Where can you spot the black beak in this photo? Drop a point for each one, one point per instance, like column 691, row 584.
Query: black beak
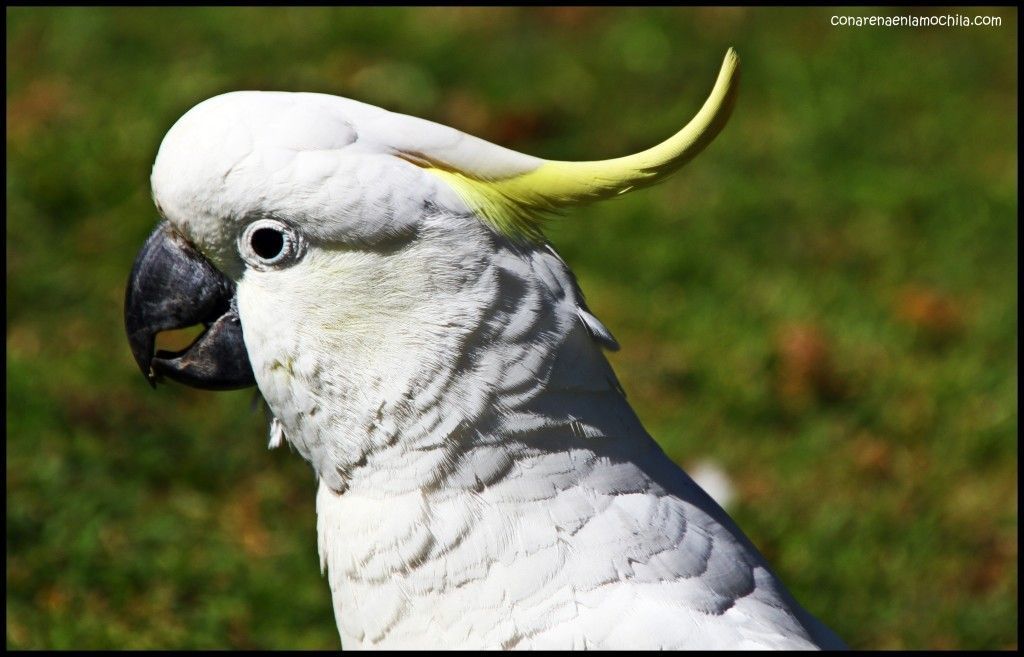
column 173, row 286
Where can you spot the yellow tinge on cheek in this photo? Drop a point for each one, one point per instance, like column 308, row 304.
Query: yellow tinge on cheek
column 303, row 302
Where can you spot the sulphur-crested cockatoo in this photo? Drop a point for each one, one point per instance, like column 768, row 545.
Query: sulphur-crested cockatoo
column 483, row 482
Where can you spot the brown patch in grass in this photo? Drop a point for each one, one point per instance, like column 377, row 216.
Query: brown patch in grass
column 872, row 455
column 804, row 369
column 520, row 127
column 23, row 341
column 991, row 567
column 17, row 633
column 42, row 102
column 467, row 112
column 933, row 314
column 52, row 598
column 244, row 518
column 755, row 487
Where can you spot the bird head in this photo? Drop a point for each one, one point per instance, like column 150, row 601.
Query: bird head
column 308, row 231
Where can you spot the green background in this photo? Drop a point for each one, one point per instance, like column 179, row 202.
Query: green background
column 823, row 303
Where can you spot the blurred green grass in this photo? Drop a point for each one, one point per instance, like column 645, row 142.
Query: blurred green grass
column 824, row 302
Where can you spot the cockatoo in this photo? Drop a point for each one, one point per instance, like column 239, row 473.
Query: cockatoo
column 483, row 482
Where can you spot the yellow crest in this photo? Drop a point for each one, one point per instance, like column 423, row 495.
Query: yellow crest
column 518, row 204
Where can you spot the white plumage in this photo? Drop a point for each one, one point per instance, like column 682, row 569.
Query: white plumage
column 483, row 481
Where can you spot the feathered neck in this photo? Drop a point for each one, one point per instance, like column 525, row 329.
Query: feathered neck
column 500, row 350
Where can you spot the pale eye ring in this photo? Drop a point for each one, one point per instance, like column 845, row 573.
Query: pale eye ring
column 269, row 244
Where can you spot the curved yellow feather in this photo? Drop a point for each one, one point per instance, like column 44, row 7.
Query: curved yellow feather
column 518, row 205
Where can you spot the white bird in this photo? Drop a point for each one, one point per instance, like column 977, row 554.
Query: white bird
column 483, row 482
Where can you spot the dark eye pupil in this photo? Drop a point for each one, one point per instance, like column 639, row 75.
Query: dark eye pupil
column 267, row 243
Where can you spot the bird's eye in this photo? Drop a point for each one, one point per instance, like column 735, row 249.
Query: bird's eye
column 269, row 244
